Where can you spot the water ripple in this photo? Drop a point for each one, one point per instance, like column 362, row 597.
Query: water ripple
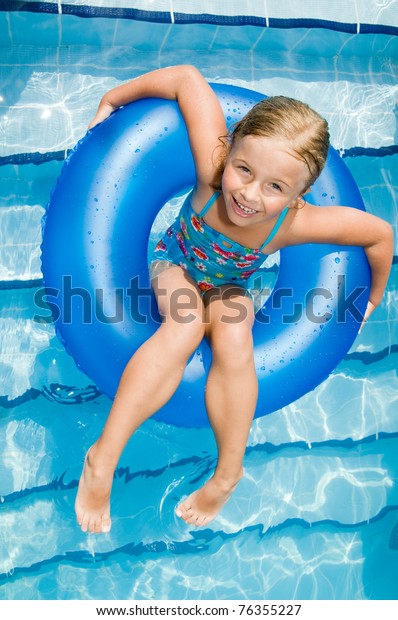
column 201, row 541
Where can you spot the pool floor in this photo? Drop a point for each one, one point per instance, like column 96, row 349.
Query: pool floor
column 316, row 514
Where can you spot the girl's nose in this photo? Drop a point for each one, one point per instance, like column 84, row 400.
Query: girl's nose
column 250, row 192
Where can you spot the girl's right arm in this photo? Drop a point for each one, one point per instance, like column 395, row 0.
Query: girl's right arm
column 198, row 104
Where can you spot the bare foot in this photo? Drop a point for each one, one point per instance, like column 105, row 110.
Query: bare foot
column 92, row 505
column 203, row 505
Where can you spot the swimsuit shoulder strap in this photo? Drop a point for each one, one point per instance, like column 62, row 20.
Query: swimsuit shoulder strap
column 276, row 227
column 208, row 204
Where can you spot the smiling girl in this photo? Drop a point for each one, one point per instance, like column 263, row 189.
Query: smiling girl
column 248, row 202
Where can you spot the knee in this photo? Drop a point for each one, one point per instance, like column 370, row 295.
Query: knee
column 191, row 330
column 183, row 323
column 185, row 334
column 232, row 344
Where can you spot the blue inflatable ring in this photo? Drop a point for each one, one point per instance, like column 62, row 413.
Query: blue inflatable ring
column 94, row 259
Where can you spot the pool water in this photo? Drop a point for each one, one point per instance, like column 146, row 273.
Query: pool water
column 316, row 515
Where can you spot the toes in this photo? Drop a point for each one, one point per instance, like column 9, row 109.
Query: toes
column 184, row 506
column 84, row 523
column 95, row 525
column 184, row 510
column 192, row 520
column 197, row 519
column 191, row 510
column 191, row 517
column 90, row 525
column 202, row 521
column 188, row 514
column 79, row 516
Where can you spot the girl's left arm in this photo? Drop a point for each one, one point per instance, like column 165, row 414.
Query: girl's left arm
column 348, row 226
column 379, row 254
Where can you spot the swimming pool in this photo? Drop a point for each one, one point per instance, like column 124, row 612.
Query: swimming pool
column 316, row 515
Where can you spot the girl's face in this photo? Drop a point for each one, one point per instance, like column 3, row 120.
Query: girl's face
column 261, row 177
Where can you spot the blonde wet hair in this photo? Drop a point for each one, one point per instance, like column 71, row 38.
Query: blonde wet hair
column 287, row 119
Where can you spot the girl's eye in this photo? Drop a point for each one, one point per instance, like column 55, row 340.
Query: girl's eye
column 244, row 169
column 276, row 186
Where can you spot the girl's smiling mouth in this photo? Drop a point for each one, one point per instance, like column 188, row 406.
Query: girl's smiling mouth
column 241, row 209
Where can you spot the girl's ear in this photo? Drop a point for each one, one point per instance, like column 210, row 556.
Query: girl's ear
column 300, row 202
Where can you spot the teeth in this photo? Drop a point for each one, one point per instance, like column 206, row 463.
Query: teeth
column 245, row 209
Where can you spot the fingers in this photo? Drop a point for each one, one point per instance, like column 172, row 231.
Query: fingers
column 103, row 112
column 369, row 309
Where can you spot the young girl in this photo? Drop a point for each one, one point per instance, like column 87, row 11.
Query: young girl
column 248, row 202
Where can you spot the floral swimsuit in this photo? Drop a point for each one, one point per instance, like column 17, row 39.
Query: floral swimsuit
column 210, row 258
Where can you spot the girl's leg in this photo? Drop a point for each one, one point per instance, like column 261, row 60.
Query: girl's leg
column 231, row 397
column 148, row 382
